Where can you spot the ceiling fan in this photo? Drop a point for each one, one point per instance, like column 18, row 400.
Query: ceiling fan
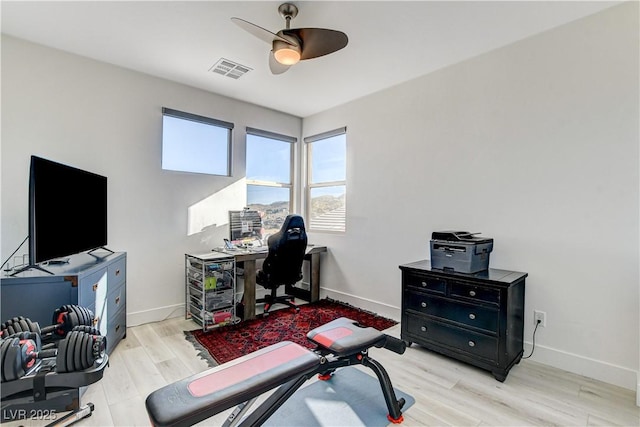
column 291, row 45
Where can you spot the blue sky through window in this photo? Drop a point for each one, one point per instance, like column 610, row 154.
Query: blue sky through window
column 268, row 159
column 191, row 146
column 329, row 159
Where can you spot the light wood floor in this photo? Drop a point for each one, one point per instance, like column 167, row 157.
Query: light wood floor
column 447, row 393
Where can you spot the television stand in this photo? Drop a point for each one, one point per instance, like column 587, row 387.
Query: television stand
column 30, row 267
column 97, row 249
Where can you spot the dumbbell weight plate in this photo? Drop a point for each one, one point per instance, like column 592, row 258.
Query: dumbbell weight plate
column 81, row 344
column 11, row 363
column 10, row 360
column 70, row 316
column 85, row 316
column 33, row 326
column 64, row 360
column 85, row 352
column 61, row 357
column 88, row 316
column 88, row 329
column 73, row 339
column 8, row 326
column 24, row 326
column 19, row 324
column 4, row 349
column 90, row 357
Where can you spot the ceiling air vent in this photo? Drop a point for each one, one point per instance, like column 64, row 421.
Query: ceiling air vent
column 228, row 68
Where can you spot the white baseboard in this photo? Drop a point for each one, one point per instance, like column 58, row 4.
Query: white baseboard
column 155, row 315
column 596, row 369
column 577, row 364
column 382, row 309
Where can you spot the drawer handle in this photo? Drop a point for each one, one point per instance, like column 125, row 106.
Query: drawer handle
column 117, row 328
column 472, row 293
column 118, row 300
column 472, row 316
column 424, row 284
column 423, row 328
column 472, row 344
column 95, row 287
column 423, row 304
column 117, row 272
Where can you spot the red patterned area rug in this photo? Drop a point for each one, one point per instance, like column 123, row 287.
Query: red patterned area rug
column 230, row 342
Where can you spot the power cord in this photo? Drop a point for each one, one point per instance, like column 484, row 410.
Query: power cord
column 534, row 339
column 14, row 252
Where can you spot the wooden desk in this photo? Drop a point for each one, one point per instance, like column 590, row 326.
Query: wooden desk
column 249, row 258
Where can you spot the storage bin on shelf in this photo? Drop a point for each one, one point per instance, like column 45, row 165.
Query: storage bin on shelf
column 210, row 289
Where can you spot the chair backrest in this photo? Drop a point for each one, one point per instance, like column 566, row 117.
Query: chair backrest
column 287, row 247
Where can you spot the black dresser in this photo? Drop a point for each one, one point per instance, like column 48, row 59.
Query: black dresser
column 476, row 318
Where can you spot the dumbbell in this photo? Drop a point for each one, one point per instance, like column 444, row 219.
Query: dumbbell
column 77, row 352
column 14, row 354
column 65, row 319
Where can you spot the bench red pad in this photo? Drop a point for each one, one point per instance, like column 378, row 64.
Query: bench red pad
column 203, row 395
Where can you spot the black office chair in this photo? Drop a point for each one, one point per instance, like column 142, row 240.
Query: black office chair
column 283, row 265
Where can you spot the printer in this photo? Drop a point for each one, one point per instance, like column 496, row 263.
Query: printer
column 460, row 251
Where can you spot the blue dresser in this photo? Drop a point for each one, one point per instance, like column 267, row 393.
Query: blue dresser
column 97, row 282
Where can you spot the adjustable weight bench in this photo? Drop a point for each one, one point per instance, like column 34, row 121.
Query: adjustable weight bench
column 285, row 365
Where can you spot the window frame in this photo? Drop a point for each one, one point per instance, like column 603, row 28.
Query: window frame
column 176, row 114
column 272, row 184
column 309, row 174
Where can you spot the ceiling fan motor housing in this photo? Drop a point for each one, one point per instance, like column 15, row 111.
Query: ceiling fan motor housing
column 287, row 53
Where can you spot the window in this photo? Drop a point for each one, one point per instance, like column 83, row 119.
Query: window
column 326, row 181
column 269, row 176
column 192, row 143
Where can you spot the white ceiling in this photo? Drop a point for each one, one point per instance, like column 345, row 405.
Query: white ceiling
column 389, row 41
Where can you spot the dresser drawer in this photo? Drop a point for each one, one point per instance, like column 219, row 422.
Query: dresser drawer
column 430, row 284
column 475, row 293
column 464, row 340
column 117, row 272
column 481, row 317
column 91, row 286
column 116, row 330
column 116, row 299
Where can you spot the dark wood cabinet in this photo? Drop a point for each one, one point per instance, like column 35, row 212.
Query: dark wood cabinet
column 476, row 318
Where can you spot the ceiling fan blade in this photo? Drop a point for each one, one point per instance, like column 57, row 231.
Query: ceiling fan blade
column 258, row 31
column 275, row 66
column 318, row 41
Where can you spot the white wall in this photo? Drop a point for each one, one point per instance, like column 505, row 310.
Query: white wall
column 535, row 145
column 109, row 120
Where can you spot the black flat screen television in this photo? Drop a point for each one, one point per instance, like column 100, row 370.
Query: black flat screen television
column 67, row 210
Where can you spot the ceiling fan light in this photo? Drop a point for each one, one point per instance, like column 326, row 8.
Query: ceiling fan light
column 285, row 53
column 287, row 56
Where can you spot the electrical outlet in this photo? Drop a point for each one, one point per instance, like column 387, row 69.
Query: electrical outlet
column 540, row 316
